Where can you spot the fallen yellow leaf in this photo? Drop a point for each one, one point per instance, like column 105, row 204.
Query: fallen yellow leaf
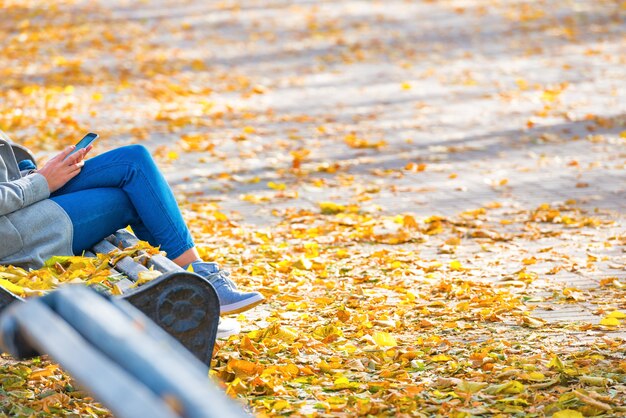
column 384, row 339
column 617, row 314
column 610, row 321
column 567, row 413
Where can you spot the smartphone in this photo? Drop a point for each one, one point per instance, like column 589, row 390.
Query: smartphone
column 84, row 143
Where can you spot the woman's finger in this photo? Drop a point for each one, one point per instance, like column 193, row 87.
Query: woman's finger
column 71, row 174
column 75, row 158
column 75, row 167
column 65, row 152
column 83, row 152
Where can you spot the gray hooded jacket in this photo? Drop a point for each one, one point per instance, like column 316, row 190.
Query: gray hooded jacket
column 32, row 227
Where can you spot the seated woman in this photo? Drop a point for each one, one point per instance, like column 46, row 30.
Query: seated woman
column 68, row 205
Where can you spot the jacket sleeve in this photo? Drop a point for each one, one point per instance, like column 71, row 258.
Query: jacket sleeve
column 17, row 194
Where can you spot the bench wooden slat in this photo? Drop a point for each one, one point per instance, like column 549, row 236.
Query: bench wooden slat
column 124, row 284
column 45, row 331
column 125, row 341
column 126, row 265
column 158, row 262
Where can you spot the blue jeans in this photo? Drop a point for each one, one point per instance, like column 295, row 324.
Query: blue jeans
column 120, row 188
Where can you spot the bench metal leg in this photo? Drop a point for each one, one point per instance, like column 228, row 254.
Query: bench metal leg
column 183, row 304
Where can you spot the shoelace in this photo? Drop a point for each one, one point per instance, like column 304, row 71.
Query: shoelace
column 222, row 274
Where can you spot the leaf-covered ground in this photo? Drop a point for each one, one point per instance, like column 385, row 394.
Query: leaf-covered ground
column 429, row 193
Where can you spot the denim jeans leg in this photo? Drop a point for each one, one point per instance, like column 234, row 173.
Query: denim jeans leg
column 132, row 169
column 95, row 214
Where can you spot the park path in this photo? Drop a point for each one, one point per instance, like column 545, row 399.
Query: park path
column 428, row 108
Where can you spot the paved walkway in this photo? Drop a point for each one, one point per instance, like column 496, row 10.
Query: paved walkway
column 437, row 108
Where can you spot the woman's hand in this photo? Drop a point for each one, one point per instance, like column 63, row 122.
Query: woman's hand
column 59, row 171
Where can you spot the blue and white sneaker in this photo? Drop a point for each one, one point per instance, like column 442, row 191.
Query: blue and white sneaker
column 232, row 300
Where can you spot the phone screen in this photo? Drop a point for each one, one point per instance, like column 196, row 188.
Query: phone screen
column 84, row 143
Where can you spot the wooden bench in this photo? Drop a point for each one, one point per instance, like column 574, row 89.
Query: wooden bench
column 116, row 354
column 182, row 303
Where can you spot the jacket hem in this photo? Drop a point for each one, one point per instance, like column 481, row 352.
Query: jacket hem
column 70, row 226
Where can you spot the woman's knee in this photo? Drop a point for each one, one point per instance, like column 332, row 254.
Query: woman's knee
column 136, row 152
column 136, row 155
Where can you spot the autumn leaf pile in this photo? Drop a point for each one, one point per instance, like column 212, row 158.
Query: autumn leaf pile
column 430, row 194
column 38, row 388
column 96, row 272
column 358, row 327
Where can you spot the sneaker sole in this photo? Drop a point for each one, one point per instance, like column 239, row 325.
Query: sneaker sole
column 242, row 306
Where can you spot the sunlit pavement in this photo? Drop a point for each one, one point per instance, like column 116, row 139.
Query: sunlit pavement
column 436, row 108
